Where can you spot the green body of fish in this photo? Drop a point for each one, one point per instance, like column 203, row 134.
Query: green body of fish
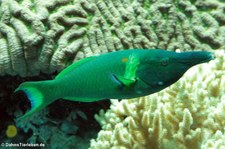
column 116, row 75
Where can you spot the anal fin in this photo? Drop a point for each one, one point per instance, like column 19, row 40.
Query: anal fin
column 81, row 99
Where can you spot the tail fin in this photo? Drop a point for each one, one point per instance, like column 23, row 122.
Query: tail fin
column 39, row 94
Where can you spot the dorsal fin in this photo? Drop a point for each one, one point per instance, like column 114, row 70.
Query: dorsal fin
column 74, row 66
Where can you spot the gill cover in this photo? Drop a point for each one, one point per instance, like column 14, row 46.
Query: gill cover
column 164, row 68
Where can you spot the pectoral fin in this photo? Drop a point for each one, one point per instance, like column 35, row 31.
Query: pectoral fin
column 124, row 81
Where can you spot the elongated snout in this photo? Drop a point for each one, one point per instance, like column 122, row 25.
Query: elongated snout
column 195, row 57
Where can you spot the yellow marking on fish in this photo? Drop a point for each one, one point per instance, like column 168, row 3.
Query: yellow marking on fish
column 124, row 60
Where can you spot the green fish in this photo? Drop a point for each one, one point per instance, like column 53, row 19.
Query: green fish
column 116, row 75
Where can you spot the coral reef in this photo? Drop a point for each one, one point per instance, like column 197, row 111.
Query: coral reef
column 48, row 35
column 188, row 114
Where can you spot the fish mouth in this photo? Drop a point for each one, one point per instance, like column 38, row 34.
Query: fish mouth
column 210, row 57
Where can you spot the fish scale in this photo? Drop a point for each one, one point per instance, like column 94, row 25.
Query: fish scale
column 122, row 74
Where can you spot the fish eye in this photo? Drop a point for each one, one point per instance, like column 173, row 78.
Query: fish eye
column 165, row 62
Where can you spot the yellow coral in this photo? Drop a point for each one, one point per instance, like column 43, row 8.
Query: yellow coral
column 189, row 114
column 11, row 131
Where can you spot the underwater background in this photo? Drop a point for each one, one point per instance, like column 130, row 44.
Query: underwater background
column 39, row 38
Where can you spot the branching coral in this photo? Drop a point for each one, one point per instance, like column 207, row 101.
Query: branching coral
column 189, row 114
column 40, row 35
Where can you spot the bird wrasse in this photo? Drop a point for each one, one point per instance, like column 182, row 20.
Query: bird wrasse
column 122, row 74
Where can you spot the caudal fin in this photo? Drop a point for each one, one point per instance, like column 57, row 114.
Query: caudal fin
column 39, row 94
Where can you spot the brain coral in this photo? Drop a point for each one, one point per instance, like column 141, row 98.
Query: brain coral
column 47, row 35
column 188, row 114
